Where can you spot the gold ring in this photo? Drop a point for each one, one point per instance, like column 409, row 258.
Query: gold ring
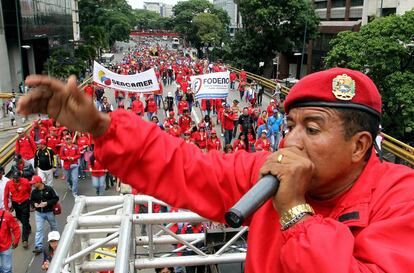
column 280, row 158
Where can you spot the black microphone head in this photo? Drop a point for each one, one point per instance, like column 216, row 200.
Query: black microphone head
column 234, row 218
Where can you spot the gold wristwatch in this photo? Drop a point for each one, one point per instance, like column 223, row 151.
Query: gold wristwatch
column 294, row 215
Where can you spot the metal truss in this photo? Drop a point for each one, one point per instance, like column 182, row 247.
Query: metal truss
column 97, row 223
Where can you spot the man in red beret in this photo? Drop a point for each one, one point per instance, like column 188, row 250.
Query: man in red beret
column 338, row 207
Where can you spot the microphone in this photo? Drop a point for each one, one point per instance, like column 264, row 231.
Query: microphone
column 252, row 200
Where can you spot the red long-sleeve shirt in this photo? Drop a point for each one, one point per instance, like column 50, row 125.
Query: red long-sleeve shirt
column 367, row 229
column 69, row 155
column 20, row 192
column 137, row 107
column 10, row 231
column 26, row 146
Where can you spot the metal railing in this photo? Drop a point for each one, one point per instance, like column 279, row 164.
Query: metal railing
column 99, row 223
column 7, row 150
column 398, row 148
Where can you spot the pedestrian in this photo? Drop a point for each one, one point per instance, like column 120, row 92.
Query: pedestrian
column 169, row 102
column 70, row 155
column 12, row 117
column 338, row 207
column 42, row 198
column 3, row 182
column 98, row 174
column 44, row 162
column 105, row 106
column 228, row 123
column 83, row 142
column 25, row 146
column 275, row 124
column 18, row 190
column 9, row 240
column 23, row 167
column 53, row 241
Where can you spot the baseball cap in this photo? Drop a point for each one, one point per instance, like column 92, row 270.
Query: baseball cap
column 53, row 236
column 20, row 130
column 337, row 88
column 36, row 179
column 264, row 131
column 213, row 131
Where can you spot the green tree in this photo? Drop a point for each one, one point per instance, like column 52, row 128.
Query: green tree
column 188, row 19
column 270, row 27
column 384, row 50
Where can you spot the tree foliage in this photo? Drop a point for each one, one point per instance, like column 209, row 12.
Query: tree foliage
column 270, row 27
column 145, row 19
column 192, row 19
column 383, row 50
column 114, row 16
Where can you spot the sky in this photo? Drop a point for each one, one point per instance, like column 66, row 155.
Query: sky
column 139, row 4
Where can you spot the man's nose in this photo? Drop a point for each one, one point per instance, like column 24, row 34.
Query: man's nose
column 295, row 138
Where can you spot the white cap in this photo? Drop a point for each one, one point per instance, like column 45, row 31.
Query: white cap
column 53, row 236
column 169, row 94
column 20, row 130
column 272, row 100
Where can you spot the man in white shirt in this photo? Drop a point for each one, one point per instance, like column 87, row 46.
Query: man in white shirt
column 3, row 181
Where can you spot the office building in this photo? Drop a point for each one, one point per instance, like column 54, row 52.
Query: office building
column 29, row 31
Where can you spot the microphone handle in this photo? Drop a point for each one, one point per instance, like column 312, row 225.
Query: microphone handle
column 251, row 201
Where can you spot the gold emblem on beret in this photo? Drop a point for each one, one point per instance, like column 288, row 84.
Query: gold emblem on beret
column 343, row 87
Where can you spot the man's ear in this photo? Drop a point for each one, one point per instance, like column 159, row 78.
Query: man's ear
column 361, row 143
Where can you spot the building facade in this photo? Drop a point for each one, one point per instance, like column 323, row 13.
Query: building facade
column 29, row 31
column 153, row 6
column 232, row 11
column 378, row 8
column 166, row 10
column 336, row 16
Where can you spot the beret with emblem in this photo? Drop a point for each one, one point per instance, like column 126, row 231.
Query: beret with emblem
column 337, row 88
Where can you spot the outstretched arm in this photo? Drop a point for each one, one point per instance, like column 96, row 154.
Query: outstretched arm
column 65, row 103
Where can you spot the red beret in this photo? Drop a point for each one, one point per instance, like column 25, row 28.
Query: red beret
column 338, row 88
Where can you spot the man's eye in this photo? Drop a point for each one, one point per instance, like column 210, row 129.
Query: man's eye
column 312, row 130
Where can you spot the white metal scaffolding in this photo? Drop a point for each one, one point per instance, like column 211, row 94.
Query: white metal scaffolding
column 98, row 223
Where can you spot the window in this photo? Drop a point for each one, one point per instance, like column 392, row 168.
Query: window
column 388, row 11
column 338, row 3
column 356, row 3
column 321, row 5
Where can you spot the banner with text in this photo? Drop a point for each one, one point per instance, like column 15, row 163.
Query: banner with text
column 211, row 86
column 140, row 83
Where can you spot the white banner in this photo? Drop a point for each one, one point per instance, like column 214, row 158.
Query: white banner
column 211, row 86
column 140, row 83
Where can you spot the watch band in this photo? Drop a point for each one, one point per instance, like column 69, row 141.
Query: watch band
column 294, row 215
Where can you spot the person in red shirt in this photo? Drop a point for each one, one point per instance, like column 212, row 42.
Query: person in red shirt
column 18, row 190
column 83, row 142
column 98, row 174
column 170, row 119
column 243, row 75
column 151, row 107
column 229, row 117
column 233, row 77
column 182, row 104
column 38, row 131
column 26, row 146
column 9, row 239
column 338, row 207
column 89, row 90
column 185, row 120
column 262, row 143
column 175, row 130
column 240, row 143
column 138, row 107
column 272, row 105
column 213, row 143
column 70, row 155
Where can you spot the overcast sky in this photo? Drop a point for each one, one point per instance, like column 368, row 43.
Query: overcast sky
column 139, row 4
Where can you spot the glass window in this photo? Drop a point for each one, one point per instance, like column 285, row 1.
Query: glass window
column 356, row 3
column 321, row 5
column 388, row 11
column 338, row 3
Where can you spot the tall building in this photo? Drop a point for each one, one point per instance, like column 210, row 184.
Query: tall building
column 166, row 10
column 336, row 16
column 378, row 8
column 153, row 6
column 233, row 12
column 29, row 31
